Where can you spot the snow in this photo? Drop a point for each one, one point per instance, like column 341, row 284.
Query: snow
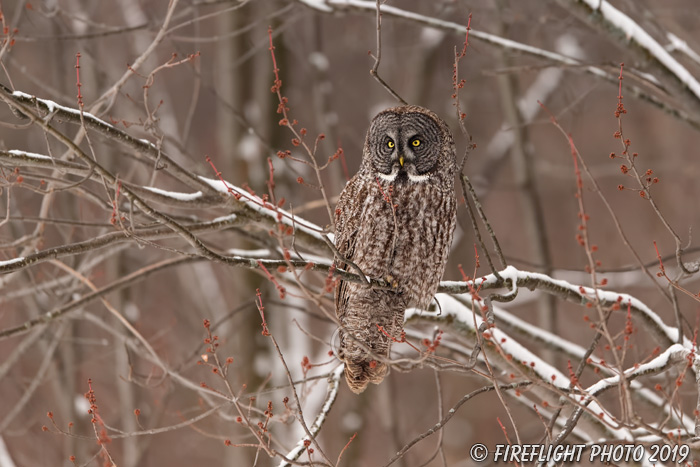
column 318, row 5
column 558, row 343
column 259, row 253
column 264, row 253
column 461, row 28
column 635, row 33
column 175, row 195
column 488, row 280
column 617, row 280
column 656, row 364
column 540, row 334
column 31, row 155
column 52, row 106
column 331, row 395
column 148, row 143
column 270, row 210
column 8, row 262
column 669, row 331
column 513, row 274
column 612, row 15
column 676, row 43
column 333, row 391
column 452, row 307
column 463, row 314
column 227, row 218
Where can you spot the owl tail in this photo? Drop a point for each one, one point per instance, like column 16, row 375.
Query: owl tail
column 361, row 367
column 359, row 373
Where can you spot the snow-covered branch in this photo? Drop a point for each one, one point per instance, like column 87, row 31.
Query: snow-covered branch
column 315, row 428
column 632, row 33
column 573, row 293
column 257, row 210
column 457, row 311
column 618, row 20
column 160, row 220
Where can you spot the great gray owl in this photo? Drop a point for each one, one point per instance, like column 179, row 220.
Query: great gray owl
column 394, row 220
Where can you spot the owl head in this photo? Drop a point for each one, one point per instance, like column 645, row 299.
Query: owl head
column 409, row 144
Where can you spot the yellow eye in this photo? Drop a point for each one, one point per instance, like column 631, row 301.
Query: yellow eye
column 415, row 143
column 391, row 144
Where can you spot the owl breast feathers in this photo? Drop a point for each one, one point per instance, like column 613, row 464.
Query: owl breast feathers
column 394, row 220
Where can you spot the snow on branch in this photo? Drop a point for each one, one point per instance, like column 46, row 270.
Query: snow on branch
column 12, row 261
column 510, row 277
column 328, row 6
column 29, row 155
column 609, row 13
column 557, row 59
column 634, row 33
column 19, row 158
column 52, row 107
column 315, row 428
column 453, row 309
column 318, row 5
column 175, row 195
column 258, row 205
column 575, row 351
column 674, row 354
column 27, row 104
column 512, row 350
column 574, row 293
column 676, row 43
column 258, row 209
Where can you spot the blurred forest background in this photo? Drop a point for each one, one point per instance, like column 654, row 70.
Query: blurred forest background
column 213, row 99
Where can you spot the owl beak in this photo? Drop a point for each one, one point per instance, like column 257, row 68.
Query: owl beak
column 401, row 160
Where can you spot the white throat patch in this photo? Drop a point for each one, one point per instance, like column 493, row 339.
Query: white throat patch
column 414, row 178
column 418, row 178
column 389, row 178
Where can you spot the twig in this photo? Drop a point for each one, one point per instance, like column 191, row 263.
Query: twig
column 467, row 187
column 439, row 448
column 330, row 398
column 28, row 392
column 378, row 57
column 298, row 135
column 106, row 100
column 331, row 395
column 645, row 182
column 556, row 59
column 450, row 413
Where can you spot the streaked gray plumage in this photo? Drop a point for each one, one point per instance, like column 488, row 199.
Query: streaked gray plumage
column 394, row 220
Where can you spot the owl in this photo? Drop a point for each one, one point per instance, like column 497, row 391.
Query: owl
column 394, row 220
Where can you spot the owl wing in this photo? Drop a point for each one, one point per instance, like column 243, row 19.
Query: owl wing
column 348, row 218
column 357, row 306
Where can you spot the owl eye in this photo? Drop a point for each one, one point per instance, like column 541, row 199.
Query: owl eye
column 390, row 144
column 415, row 143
